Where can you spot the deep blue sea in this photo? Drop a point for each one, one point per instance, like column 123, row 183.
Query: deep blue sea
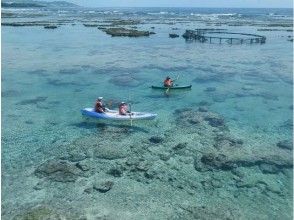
column 222, row 150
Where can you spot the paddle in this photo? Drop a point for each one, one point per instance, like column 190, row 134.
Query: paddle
column 173, row 81
column 131, row 114
column 130, row 104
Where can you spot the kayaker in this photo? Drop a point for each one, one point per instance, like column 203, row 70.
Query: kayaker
column 168, row 82
column 99, row 106
column 123, row 108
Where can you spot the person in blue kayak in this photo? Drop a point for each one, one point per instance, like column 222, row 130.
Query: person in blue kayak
column 99, row 106
column 168, row 82
column 123, row 109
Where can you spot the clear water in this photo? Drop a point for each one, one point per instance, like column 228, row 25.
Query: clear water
column 49, row 75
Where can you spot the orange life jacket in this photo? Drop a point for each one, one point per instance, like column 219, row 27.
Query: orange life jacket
column 167, row 82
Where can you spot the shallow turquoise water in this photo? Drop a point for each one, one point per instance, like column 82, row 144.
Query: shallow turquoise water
column 49, row 75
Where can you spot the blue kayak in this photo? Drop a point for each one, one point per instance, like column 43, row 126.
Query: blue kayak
column 114, row 115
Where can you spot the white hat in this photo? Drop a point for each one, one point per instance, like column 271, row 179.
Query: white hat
column 100, row 98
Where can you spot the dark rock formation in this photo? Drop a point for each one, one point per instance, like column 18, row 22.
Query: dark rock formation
column 59, row 171
column 125, row 22
column 123, row 32
column 269, row 169
column 156, row 139
column 174, row 35
column 50, row 26
column 268, row 164
column 31, row 23
column 215, row 121
column 180, row 146
column 213, row 162
column 286, row 144
column 115, row 171
column 21, row 5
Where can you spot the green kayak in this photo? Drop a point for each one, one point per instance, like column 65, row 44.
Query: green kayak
column 173, row 87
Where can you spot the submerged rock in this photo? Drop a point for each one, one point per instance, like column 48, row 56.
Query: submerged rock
column 269, row 169
column 39, row 213
column 208, row 213
column 110, row 152
column 216, row 161
column 214, row 120
column 103, row 186
column 75, row 156
column 286, row 144
column 59, row 171
column 203, row 109
column 156, row 139
column 115, row 171
column 180, row 146
column 222, row 141
column 83, row 165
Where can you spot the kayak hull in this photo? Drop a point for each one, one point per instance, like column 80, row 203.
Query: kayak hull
column 114, row 115
column 173, row 87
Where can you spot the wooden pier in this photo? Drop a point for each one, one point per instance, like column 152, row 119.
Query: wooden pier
column 206, row 35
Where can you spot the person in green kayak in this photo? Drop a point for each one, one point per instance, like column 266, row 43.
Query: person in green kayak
column 168, row 82
column 99, row 106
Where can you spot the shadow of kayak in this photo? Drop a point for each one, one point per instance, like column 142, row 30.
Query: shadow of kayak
column 109, row 127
